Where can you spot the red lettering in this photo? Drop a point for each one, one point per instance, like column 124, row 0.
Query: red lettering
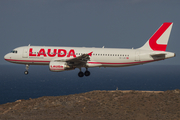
column 31, row 53
column 71, row 53
column 56, row 66
column 42, row 52
column 54, row 53
column 61, row 53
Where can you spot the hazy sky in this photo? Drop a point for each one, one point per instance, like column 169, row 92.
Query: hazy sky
column 87, row 23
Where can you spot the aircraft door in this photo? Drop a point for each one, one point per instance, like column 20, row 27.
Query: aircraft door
column 25, row 53
column 137, row 56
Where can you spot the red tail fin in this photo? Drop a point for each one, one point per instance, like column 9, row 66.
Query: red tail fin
column 158, row 42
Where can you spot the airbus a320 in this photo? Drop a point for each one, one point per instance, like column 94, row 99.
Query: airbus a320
column 68, row 58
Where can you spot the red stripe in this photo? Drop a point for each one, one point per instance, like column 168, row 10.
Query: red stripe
column 13, row 60
column 153, row 40
column 121, row 63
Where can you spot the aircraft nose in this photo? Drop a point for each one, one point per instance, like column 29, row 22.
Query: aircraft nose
column 6, row 57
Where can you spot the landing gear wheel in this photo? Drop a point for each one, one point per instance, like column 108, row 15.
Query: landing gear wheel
column 26, row 72
column 86, row 73
column 80, row 74
column 27, row 68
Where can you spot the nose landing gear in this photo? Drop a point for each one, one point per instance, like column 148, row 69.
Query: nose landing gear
column 26, row 72
column 27, row 68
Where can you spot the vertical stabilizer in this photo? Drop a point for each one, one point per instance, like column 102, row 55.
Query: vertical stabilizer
column 159, row 40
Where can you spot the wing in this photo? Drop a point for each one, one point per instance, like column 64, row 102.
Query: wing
column 80, row 60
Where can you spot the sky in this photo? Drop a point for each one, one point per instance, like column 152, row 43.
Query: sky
column 87, row 23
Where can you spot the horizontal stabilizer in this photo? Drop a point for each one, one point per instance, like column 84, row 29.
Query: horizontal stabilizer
column 158, row 55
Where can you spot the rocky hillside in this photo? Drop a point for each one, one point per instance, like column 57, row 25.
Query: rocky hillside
column 97, row 105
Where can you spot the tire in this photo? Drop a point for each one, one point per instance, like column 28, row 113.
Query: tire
column 80, row 74
column 87, row 73
column 26, row 72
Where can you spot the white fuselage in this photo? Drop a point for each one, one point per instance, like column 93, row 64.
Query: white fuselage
column 101, row 57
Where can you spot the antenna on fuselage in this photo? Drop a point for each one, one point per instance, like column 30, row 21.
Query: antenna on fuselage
column 29, row 45
column 103, row 47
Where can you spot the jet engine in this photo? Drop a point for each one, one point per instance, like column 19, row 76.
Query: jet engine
column 59, row 66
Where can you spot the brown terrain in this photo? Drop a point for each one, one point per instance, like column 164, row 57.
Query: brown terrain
column 97, row 105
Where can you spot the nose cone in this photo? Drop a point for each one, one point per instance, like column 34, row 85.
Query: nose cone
column 6, row 57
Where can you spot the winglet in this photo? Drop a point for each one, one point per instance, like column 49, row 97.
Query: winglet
column 90, row 54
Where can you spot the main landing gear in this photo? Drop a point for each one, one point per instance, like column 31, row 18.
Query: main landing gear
column 27, row 68
column 86, row 73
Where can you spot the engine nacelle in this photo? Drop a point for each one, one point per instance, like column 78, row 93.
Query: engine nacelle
column 58, row 66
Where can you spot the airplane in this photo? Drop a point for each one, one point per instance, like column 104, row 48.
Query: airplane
column 68, row 58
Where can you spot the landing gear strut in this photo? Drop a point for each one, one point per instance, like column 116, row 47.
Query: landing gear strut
column 86, row 73
column 27, row 68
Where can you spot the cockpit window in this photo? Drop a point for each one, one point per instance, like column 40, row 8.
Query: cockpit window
column 14, row 51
